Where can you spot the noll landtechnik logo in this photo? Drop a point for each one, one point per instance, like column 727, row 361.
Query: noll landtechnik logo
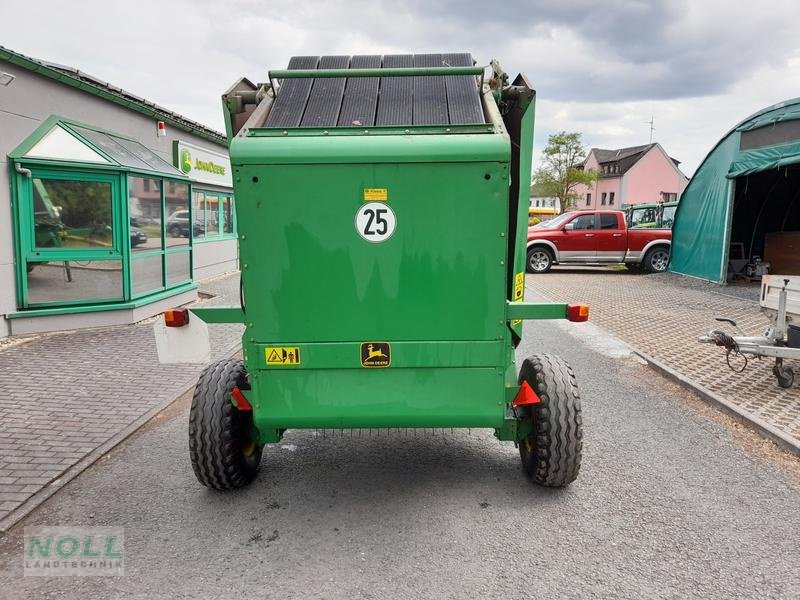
column 51, row 551
column 186, row 160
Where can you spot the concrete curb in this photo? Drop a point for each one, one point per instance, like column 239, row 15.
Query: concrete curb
column 783, row 440
column 24, row 509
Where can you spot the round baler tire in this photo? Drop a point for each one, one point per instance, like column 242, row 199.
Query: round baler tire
column 545, row 253
column 223, row 455
column 551, row 453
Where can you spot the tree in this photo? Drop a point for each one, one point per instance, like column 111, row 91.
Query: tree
column 561, row 171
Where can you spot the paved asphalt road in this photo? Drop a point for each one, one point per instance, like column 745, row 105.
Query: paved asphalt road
column 672, row 502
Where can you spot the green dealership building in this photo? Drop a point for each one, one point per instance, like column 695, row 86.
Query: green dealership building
column 111, row 207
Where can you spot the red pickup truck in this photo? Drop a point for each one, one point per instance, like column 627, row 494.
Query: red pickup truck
column 596, row 237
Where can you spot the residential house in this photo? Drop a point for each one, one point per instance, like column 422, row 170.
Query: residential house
column 542, row 205
column 636, row 175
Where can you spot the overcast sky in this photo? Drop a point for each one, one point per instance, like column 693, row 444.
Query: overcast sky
column 600, row 68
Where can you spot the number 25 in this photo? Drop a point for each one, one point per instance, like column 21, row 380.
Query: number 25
column 376, row 217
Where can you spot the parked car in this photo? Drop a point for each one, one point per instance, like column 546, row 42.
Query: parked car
column 178, row 224
column 596, row 237
column 138, row 237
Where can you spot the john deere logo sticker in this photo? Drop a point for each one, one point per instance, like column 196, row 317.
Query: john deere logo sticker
column 376, row 354
column 282, row 356
column 186, row 160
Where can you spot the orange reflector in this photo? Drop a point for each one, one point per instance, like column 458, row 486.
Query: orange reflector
column 525, row 396
column 577, row 312
column 176, row 317
column 239, row 401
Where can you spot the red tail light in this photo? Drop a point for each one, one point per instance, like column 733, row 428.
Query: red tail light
column 577, row 312
column 176, row 317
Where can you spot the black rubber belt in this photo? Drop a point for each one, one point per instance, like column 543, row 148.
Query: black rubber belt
column 360, row 95
column 463, row 102
column 292, row 97
column 395, row 103
column 368, row 101
column 430, row 95
column 325, row 100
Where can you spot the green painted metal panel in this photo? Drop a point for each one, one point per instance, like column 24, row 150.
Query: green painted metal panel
column 310, row 277
column 367, row 150
column 429, row 397
column 219, row 314
column 535, row 310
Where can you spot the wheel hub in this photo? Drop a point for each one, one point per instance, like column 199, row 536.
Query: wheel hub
column 539, row 261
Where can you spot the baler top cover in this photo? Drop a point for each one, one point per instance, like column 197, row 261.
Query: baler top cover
column 377, row 101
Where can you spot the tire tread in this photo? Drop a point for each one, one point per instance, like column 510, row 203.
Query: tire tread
column 215, row 435
column 557, row 434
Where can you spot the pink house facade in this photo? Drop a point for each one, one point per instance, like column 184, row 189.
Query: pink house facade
column 636, row 175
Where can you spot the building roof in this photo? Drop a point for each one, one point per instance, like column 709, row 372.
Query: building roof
column 620, row 161
column 538, row 191
column 92, row 85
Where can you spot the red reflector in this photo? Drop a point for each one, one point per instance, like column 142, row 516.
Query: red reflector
column 577, row 312
column 239, row 400
column 525, row 396
column 176, row 317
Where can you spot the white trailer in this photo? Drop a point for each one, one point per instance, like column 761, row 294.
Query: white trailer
column 780, row 300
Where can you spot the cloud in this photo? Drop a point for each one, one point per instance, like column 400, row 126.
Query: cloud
column 602, row 68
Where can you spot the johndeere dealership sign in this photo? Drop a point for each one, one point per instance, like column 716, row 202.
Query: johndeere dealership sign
column 201, row 165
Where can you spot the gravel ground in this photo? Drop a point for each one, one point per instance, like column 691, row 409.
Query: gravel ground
column 673, row 501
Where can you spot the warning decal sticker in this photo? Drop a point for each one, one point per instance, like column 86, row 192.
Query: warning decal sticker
column 376, row 354
column 519, row 287
column 281, row 356
column 519, row 293
column 376, row 194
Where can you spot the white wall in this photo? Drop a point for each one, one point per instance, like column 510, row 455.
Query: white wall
column 32, row 98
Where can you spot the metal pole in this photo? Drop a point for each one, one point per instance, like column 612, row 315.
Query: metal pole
column 387, row 72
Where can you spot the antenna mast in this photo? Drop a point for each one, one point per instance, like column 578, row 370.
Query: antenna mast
column 652, row 129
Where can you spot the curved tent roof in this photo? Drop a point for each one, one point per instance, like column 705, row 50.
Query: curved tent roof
column 766, row 140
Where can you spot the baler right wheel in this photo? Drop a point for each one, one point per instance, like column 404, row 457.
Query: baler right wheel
column 223, row 452
column 551, row 453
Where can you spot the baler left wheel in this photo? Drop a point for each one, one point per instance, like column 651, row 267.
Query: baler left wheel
column 551, row 453
column 222, row 447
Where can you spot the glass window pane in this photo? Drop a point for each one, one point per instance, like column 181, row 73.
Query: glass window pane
column 72, row 214
column 583, row 222
column 178, row 268
column 108, row 144
column 668, row 219
column 66, row 281
column 177, row 223
column 146, row 274
column 144, row 209
column 212, row 215
column 198, row 208
column 227, row 215
column 608, row 221
column 60, row 145
column 146, row 155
